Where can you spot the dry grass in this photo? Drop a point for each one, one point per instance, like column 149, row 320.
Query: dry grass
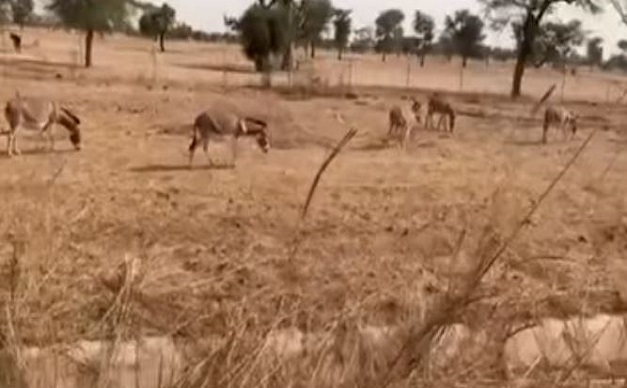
column 121, row 240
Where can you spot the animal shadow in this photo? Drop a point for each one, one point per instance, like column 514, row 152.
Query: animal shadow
column 38, row 151
column 180, row 167
column 524, row 143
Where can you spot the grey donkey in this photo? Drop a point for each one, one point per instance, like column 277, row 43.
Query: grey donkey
column 41, row 114
column 219, row 122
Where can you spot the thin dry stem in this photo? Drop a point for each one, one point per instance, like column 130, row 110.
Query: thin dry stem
column 336, row 150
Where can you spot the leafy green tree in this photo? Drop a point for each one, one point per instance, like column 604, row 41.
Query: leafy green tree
column 445, row 45
column 594, row 51
column 157, row 22
column 342, row 25
column 558, row 41
column 263, row 32
column 315, row 16
column 90, row 16
column 5, row 11
column 292, row 19
column 364, row 39
column 388, row 26
column 553, row 42
column 529, row 13
column 22, row 10
column 424, row 26
column 466, row 32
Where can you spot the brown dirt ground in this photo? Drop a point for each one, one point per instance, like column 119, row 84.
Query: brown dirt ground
column 215, row 243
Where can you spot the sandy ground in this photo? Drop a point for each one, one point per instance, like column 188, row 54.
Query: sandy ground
column 214, row 244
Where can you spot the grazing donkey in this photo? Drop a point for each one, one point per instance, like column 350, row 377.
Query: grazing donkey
column 399, row 128
column 559, row 116
column 416, row 107
column 41, row 114
column 438, row 105
column 218, row 122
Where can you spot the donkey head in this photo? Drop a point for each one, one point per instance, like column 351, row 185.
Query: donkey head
column 71, row 122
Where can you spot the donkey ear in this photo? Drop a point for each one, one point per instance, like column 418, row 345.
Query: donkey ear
column 72, row 115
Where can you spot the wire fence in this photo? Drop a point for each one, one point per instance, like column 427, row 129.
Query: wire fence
column 224, row 65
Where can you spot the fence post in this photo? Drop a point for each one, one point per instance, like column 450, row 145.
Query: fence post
column 461, row 77
column 224, row 72
column 153, row 54
column 408, row 75
column 563, row 84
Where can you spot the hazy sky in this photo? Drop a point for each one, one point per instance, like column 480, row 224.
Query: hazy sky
column 208, row 15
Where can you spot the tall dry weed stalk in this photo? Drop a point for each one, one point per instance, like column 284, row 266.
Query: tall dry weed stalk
column 421, row 336
column 12, row 366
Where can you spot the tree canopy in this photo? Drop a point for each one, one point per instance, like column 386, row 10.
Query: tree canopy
column 594, row 51
column 157, row 21
column 529, row 14
column 263, row 33
column 388, row 30
column 21, row 10
column 424, row 27
column 90, row 16
column 466, row 33
column 342, row 27
column 315, row 16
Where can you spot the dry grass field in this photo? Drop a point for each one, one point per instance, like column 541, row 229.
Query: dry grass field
column 216, row 246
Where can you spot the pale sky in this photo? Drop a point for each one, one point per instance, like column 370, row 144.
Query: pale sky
column 208, row 15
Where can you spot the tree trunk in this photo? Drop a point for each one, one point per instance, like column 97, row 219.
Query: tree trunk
column 313, row 50
column 422, row 60
column 259, row 64
column 339, row 53
column 286, row 63
column 162, row 42
column 526, row 46
column 464, row 61
column 89, row 42
column 383, row 57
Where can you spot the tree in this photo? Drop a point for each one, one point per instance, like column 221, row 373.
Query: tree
column 156, row 22
column 292, row 22
column 424, row 26
column 622, row 44
column 557, row 41
column 364, row 39
column 22, row 11
column 466, row 32
column 342, row 26
column 445, row 45
column 388, row 26
column 529, row 13
column 315, row 15
column 263, row 32
column 553, row 43
column 90, row 16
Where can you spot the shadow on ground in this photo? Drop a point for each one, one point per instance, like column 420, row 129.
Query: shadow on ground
column 218, row 67
column 524, row 142
column 37, row 151
column 179, row 167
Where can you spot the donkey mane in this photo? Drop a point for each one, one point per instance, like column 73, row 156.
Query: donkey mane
column 71, row 115
column 259, row 122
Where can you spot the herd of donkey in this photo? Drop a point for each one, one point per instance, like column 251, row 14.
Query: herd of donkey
column 41, row 114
